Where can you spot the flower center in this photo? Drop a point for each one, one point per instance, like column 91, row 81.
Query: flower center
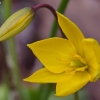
column 77, row 64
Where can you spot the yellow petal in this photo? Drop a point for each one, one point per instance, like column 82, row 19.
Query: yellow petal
column 44, row 76
column 92, row 56
column 71, row 83
column 95, row 73
column 54, row 53
column 71, row 31
column 16, row 23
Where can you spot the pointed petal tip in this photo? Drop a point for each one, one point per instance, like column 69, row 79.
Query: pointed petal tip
column 29, row 80
column 71, row 31
column 56, row 95
column 28, row 45
column 60, row 94
column 26, row 80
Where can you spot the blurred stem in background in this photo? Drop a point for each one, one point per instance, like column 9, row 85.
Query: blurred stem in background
column 5, row 16
column 7, row 8
column 7, row 74
column 7, row 12
column 45, row 91
column 76, row 96
column 12, row 50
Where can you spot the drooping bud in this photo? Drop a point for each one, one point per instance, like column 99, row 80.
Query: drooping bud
column 16, row 23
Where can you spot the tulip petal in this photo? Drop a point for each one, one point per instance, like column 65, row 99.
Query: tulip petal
column 44, row 76
column 54, row 53
column 92, row 56
column 71, row 31
column 70, row 83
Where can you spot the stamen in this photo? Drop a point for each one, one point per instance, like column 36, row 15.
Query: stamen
column 77, row 64
column 76, row 56
column 63, row 60
column 73, row 70
column 82, row 69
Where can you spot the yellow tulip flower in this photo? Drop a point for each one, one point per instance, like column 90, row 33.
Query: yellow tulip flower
column 16, row 23
column 70, row 63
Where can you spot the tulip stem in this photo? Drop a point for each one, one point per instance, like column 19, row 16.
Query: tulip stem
column 12, row 51
column 76, row 96
column 7, row 9
column 35, row 8
column 61, row 9
column 45, row 91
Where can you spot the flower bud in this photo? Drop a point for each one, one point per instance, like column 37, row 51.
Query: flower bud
column 16, row 23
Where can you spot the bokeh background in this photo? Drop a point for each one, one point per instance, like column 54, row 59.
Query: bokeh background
column 86, row 15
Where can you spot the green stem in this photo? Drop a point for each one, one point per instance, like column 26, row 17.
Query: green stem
column 76, row 96
column 48, row 88
column 45, row 91
column 15, row 69
column 7, row 8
